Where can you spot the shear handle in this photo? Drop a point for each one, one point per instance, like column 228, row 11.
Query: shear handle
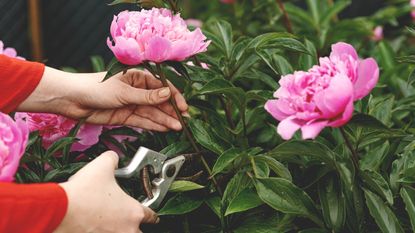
column 142, row 158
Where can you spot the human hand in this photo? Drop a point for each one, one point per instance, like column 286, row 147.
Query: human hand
column 97, row 204
column 134, row 99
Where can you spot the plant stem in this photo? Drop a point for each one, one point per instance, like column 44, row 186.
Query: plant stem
column 186, row 130
column 227, row 112
column 355, row 157
column 287, row 21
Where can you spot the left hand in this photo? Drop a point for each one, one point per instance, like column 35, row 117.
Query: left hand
column 135, row 99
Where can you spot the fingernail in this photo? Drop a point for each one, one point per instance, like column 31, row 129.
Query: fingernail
column 157, row 220
column 186, row 114
column 164, row 92
column 177, row 125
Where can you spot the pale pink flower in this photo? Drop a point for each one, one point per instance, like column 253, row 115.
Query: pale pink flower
column 324, row 95
column 377, row 33
column 9, row 52
column 154, row 35
column 194, row 23
column 413, row 10
column 53, row 127
column 13, row 140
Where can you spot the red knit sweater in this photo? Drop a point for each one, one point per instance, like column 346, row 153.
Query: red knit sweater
column 36, row 208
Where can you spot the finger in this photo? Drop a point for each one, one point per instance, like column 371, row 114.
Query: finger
column 168, row 109
column 181, row 102
column 156, row 115
column 150, row 216
column 139, row 96
column 144, row 123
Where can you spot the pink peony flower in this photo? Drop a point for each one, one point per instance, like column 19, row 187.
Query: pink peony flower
column 153, row 35
column 228, row 1
column 53, row 127
column 412, row 3
column 377, row 33
column 13, row 140
column 324, row 95
column 10, row 52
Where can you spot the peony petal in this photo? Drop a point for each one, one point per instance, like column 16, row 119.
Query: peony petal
column 158, row 49
column 345, row 117
column 311, row 130
column 126, row 50
column 288, row 127
column 279, row 109
column 341, row 49
column 333, row 100
column 368, row 76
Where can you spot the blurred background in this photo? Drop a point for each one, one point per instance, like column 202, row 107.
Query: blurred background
column 65, row 33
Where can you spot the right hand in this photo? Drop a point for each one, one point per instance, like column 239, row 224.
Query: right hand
column 97, row 204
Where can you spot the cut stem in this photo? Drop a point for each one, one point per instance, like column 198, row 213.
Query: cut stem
column 186, row 130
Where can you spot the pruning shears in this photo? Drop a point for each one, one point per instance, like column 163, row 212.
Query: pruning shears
column 164, row 169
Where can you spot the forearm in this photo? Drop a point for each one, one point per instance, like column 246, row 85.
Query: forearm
column 56, row 90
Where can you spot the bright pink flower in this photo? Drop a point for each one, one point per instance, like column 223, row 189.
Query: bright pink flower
column 377, row 33
column 153, row 35
column 10, row 52
column 53, row 127
column 13, row 140
column 324, row 95
column 228, row 1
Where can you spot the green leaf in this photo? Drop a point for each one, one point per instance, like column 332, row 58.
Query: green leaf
column 206, row 137
column 284, row 196
column 98, row 64
column 333, row 203
column 179, row 68
column 308, row 60
column 226, row 159
column 383, row 215
column 175, row 148
column 59, row 145
column 180, row 204
column 114, row 68
column 246, row 200
column 224, row 87
column 222, row 37
column 215, row 205
column 375, row 182
column 63, row 173
column 410, row 59
column 236, row 185
column 316, row 150
column 184, row 186
column 275, row 166
column 115, row 2
column 262, row 223
column 386, row 55
column 337, row 7
column 408, row 196
column 276, row 40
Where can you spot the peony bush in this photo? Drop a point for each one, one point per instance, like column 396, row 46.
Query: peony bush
column 301, row 116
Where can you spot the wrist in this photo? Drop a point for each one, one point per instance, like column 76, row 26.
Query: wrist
column 51, row 95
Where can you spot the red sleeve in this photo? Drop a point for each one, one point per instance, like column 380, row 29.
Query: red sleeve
column 18, row 79
column 35, row 208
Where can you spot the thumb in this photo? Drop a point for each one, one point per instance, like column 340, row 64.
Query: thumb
column 102, row 166
column 147, row 97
